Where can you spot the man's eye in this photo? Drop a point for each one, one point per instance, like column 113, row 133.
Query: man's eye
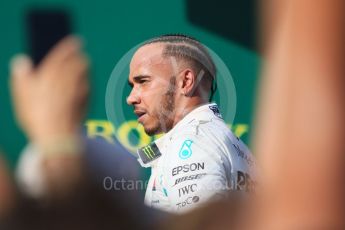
column 143, row 81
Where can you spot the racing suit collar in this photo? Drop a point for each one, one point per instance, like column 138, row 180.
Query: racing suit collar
column 148, row 155
column 201, row 112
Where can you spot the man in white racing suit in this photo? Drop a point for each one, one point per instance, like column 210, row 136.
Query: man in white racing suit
column 198, row 158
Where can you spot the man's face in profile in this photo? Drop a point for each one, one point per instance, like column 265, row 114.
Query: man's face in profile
column 153, row 83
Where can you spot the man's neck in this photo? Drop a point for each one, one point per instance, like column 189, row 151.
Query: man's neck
column 183, row 110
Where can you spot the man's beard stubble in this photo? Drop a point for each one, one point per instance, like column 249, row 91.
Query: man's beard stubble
column 165, row 113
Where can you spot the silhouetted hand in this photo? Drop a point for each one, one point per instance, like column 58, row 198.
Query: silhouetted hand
column 50, row 99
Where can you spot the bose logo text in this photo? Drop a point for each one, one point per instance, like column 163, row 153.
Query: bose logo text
column 191, row 177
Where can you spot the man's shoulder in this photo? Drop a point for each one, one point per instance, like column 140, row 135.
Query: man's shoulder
column 213, row 137
column 201, row 129
column 202, row 135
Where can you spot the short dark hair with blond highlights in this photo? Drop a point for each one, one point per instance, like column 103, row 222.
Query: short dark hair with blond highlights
column 190, row 50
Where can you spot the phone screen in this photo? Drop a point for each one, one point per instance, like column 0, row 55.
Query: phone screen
column 46, row 28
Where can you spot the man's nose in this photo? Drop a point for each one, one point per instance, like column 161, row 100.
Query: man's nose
column 133, row 98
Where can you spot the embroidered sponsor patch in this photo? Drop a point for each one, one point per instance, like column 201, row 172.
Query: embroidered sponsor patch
column 186, row 150
column 149, row 153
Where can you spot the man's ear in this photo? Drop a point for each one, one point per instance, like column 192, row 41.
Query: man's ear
column 188, row 82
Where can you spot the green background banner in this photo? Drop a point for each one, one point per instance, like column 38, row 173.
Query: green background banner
column 111, row 28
